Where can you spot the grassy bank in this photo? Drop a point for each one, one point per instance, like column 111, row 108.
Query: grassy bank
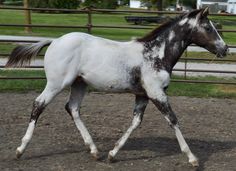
column 175, row 89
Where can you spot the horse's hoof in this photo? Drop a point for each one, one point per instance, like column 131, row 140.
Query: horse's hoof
column 110, row 158
column 194, row 163
column 95, row 155
column 18, row 154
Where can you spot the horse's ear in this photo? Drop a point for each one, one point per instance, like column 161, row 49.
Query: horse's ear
column 205, row 12
column 194, row 13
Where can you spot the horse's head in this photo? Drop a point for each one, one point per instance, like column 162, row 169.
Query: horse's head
column 204, row 33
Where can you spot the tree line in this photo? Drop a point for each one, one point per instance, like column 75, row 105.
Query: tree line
column 109, row 4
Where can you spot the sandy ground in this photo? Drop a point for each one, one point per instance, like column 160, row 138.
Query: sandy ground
column 207, row 124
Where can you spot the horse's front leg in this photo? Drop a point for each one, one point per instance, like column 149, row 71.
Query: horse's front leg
column 160, row 100
column 140, row 106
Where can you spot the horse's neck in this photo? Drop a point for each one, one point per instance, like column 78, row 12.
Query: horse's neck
column 167, row 48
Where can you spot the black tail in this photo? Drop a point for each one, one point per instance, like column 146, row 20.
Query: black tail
column 23, row 54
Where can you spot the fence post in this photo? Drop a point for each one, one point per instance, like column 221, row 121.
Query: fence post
column 185, row 64
column 89, row 24
column 27, row 16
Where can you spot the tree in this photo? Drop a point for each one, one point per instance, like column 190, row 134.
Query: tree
column 191, row 3
column 124, row 2
column 68, row 4
column 109, row 4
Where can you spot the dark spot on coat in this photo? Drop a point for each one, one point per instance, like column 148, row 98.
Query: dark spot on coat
column 37, row 110
column 135, row 79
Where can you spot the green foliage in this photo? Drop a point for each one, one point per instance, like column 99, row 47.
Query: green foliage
column 39, row 3
column 190, row 3
column 67, row 4
column 106, row 4
column 169, row 3
column 124, row 2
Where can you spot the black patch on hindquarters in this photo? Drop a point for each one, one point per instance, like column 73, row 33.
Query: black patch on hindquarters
column 37, row 110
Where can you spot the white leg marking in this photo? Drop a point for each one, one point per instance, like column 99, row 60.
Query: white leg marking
column 184, row 147
column 26, row 139
column 120, row 143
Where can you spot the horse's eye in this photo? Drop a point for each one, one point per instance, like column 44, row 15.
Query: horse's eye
column 208, row 29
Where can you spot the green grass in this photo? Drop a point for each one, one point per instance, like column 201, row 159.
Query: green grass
column 21, row 85
column 175, row 89
column 202, row 89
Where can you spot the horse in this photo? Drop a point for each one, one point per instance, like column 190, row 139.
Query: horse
column 142, row 67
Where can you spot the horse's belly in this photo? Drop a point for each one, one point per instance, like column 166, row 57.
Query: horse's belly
column 107, row 81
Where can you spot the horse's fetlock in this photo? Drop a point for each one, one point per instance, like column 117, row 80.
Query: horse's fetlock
column 75, row 116
column 25, row 139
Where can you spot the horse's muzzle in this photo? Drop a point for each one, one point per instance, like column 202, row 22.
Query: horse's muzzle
column 223, row 52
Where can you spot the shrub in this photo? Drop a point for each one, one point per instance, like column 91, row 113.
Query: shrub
column 108, row 4
column 67, row 4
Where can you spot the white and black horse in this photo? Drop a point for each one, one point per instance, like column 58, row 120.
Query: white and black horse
column 142, row 67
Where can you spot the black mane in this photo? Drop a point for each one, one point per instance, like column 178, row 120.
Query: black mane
column 159, row 30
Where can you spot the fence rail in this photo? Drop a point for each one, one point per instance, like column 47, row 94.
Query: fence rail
column 89, row 26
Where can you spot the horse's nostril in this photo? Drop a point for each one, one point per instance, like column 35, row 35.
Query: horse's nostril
column 226, row 47
column 226, row 50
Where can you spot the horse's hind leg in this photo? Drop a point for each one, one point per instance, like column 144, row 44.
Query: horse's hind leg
column 38, row 106
column 140, row 106
column 78, row 90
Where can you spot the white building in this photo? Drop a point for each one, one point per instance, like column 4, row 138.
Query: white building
column 136, row 4
column 231, row 8
column 218, row 5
